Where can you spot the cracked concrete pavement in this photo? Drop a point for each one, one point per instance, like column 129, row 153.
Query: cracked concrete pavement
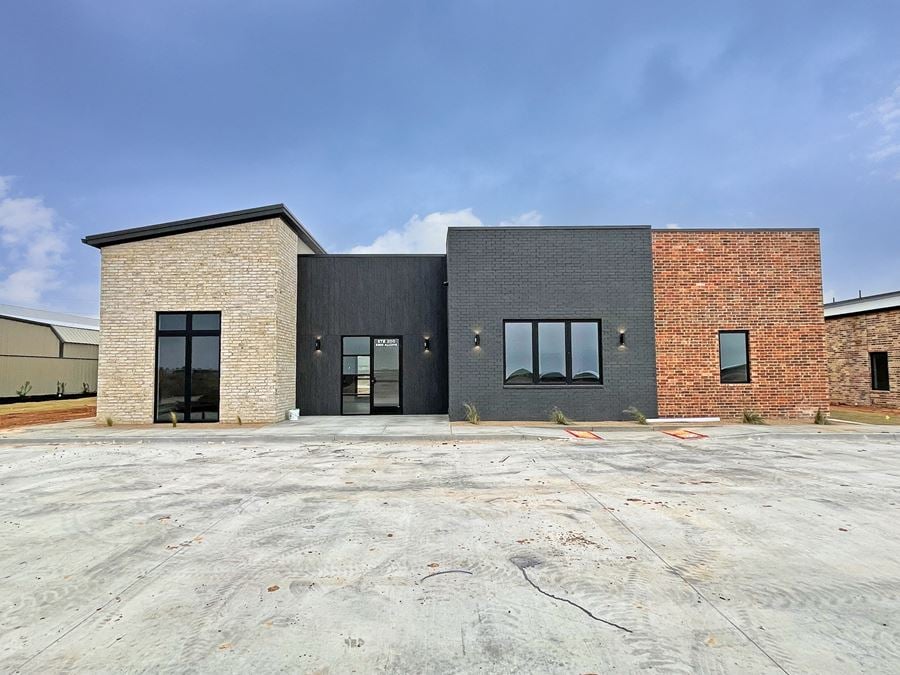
column 765, row 553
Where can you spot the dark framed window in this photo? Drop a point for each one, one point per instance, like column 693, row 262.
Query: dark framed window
column 552, row 352
column 187, row 366
column 734, row 356
column 878, row 363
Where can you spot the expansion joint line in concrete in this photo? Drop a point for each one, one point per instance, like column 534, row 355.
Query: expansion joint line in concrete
column 145, row 575
column 665, row 562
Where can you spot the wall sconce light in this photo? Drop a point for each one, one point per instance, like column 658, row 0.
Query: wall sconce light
column 318, row 344
column 477, row 339
column 427, row 344
column 621, row 337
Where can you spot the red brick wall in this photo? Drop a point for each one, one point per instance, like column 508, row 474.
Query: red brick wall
column 849, row 340
column 766, row 282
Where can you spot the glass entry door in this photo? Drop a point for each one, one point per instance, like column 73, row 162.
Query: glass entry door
column 386, row 375
column 370, row 375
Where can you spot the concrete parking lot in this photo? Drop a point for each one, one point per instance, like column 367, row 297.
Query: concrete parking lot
column 745, row 553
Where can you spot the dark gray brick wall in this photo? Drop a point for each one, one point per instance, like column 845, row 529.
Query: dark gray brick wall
column 371, row 295
column 497, row 274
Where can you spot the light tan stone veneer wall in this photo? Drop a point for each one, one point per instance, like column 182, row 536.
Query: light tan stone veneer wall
column 248, row 272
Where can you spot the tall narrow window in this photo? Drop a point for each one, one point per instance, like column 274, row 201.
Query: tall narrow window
column 734, row 356
column 518, row 346
column 878, row 362
column 552, row 352
column 585, row 352
column 187, row 366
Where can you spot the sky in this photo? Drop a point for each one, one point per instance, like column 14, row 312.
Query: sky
column 381, row 123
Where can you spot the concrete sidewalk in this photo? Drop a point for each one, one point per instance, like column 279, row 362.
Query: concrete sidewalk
column 387, row 428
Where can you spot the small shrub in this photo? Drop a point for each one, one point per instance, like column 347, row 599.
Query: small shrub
column 751, row 417
column 635, row 415
column 240, row 421
column 174, row 419
column 557, row 416
column 109, row 421
column 24, row 390
column 821, row 417
column 85, row 388
column 472, row 416
column 60, row 388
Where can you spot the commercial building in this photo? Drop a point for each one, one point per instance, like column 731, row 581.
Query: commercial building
column 244, row 314
column 46, row 353
column 863, row 341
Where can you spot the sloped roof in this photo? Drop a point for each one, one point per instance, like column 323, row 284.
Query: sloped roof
column 58, row 319
column 205, row 223
column 79, row 336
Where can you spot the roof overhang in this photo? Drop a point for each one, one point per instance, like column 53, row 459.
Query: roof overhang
column 870, row 303
column 205, row 223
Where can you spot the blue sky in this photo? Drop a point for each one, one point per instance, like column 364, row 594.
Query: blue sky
column 380, row 123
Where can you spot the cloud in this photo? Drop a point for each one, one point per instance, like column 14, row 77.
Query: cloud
column 527, row 218
column 673, row 226
column 887, row 111
column 429, row 234
column 884, row 116
column 885, row 152
column 33, row 245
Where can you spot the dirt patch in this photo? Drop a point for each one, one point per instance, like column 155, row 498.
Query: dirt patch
column 865, row 414
column 47, row 415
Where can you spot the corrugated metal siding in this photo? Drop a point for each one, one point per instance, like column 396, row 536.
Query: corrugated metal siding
column 76, row 351
column 81, row 336
column 18, row 338
column 43, row 373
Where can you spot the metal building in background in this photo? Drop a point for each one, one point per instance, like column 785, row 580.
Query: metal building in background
column 48, row 350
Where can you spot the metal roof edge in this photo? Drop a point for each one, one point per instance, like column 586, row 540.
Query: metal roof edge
column 863, row 305
column 203, row 223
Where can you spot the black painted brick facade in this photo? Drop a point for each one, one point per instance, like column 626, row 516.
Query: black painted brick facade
column 550, row 273
column 371, row 295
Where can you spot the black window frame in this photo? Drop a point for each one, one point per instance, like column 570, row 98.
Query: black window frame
column 873, row 371
column 188, row 333
column 746, row 334
column 535, row 354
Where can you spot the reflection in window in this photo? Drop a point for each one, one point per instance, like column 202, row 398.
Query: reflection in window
column 567, row 352
column 355, row 384
column 734, row 359
column 517, row 343
column 878, row 362
column 170, row 377
column 187, row 366
column 356, row 345
column 205, row 378
column 552, row 352
column 206, row 321
column 386, row 373
column 585, row 351
column 171, row 321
